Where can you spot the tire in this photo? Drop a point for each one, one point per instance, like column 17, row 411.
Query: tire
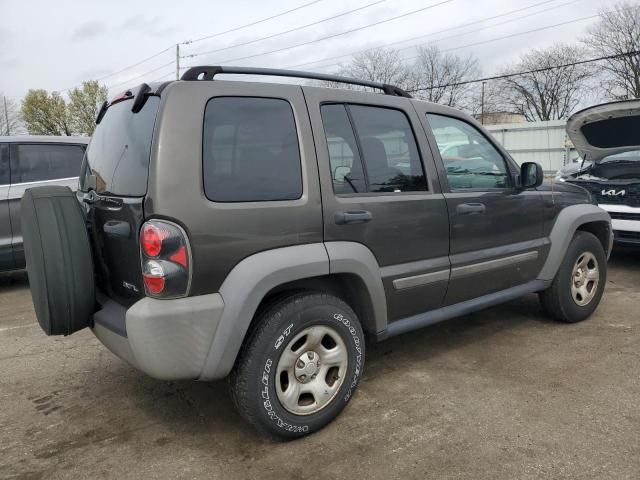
column 290, row 325
column 559, row 300
column 58, row 257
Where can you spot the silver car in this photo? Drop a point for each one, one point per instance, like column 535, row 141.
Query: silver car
column 25, row 162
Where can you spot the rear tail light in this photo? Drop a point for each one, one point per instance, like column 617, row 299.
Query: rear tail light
column 166, row 259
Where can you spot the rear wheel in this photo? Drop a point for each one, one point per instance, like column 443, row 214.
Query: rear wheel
column 301, row 365
column 579, row 284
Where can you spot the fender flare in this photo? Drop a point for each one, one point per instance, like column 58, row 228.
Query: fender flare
column 255, row 276
column 565, row 226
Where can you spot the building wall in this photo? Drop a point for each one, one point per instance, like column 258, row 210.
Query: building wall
column 542, row 142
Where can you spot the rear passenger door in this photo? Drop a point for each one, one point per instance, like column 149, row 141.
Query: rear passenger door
column 34, row 165
column 497, row 234
column 6, row 251
column 379, row 188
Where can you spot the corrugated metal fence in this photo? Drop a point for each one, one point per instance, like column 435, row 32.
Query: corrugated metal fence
column 542, row 142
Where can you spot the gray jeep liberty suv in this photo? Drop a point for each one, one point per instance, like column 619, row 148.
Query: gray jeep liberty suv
column 261, row 231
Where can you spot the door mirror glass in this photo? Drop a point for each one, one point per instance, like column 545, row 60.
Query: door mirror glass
column 531, row 175
column 339, row 173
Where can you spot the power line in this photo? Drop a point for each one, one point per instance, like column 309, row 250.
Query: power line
column 249, row 42
column 528, row 72
column 217, row 34
column 581, row 19
column 197, row 40
column 161, row 77
column 319, row 39
column 521, row 17
column 140, row 76
column 126, row 68
column 462, row 25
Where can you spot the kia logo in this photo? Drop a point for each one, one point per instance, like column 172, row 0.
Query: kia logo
column 614, row 193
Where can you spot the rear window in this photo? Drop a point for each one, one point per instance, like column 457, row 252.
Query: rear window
column 40, row 162
column 118, row 155
column 250, row 150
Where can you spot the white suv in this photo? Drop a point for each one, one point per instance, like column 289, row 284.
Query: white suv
column 608, row 139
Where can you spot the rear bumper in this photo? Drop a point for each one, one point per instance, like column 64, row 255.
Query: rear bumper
column 166, row 339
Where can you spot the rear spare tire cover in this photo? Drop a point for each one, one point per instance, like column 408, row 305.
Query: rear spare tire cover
column 58, row 257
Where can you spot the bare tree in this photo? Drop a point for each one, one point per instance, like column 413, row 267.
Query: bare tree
column 618, row 33
column 486, row 102
column 552, row 92
column 438, row 76
column 379, row 65
column 10, row 121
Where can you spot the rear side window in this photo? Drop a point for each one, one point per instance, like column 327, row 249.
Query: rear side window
column 40, row 162
column 118, row 155
column 371, row 149
column 250, row 150
column 4, row 164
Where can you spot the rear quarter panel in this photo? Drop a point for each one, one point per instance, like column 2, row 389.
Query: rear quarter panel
column 222, row 234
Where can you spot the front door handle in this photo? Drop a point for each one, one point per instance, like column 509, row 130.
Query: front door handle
column 353, row 216
column 470, row 208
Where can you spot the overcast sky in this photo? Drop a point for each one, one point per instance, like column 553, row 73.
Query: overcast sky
column 56, row 45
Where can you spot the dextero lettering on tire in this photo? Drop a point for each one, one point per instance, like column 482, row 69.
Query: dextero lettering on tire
column 356, row 341
column 301, row 366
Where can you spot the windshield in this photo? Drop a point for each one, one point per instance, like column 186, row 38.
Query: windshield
column 118, row 155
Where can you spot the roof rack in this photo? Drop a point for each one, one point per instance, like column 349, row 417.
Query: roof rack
column 208, row 72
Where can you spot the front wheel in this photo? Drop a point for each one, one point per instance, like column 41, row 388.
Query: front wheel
column 300, row 366
column 579, row 284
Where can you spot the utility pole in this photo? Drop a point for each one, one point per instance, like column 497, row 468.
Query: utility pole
column 482, row 105
column 6, row 114
column 177, row 61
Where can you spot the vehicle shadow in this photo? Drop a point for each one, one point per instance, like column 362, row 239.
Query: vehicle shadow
column 13, row 280
column 626, row 258
column 207, row 408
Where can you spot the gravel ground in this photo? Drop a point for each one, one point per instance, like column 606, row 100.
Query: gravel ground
column 503, row 393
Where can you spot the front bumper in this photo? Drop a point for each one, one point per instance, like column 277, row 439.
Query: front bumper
column 166, row 339
column 625, row 222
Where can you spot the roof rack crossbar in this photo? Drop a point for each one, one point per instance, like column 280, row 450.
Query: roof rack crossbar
column 208, row 72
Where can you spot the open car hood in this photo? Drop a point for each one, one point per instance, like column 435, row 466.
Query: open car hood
column 604, row 130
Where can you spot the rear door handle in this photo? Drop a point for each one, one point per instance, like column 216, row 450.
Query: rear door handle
column 470, row 208
column 353, row 216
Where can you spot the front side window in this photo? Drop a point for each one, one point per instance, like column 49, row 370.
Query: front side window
column 250, row 150
column 371, row 149
column 4, row 164
column 40, row 162
column 470, row 160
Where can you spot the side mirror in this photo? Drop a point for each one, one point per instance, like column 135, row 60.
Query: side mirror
column 340, row 172
column 531, row 175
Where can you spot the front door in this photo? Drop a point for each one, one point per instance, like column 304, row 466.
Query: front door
column 380, row 189
column 6, row 250
column 497, row 235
